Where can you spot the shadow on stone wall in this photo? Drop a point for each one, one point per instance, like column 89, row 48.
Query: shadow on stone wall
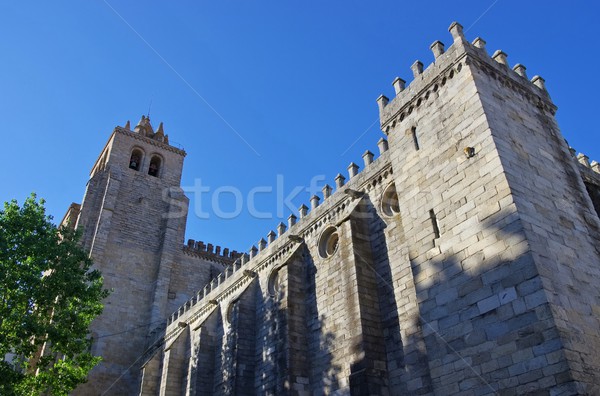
column 448, row 322
column 484, row 318
column 481, row 321
column 324, row 373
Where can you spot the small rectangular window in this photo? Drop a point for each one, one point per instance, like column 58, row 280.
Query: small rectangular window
column 413, row 132
column 434, row 224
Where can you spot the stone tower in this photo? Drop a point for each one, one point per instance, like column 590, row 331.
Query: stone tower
column 133, row 221
column 500, row 229
column 463, row 260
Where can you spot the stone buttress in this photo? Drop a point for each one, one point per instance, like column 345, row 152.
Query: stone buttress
column 463, row 259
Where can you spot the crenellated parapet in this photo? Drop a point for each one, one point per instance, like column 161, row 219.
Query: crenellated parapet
column 316, row 202
column 330, row 208
column 590, row 171
column 467, row 230
column 211, row 252
column 446, row 65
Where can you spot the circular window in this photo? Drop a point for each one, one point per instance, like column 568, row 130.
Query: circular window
column 389, row 202
column 329, row 242
column 230, row 312
column 274, row 281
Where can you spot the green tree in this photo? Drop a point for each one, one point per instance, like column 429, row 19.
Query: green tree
column 48, row 297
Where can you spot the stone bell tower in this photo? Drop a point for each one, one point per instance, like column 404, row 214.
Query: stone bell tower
column 133, row 222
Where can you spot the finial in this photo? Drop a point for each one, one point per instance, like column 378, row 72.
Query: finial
column 339, row 180
column 479, row 43
column 128, row 125
column 399, row 85
column 383, row 145
column 149, row 108
column 417, row 68
column 144, row 126
column 142, row 121
column 314, row 202
column 292, row 220
column 456, row 30
column 382, row 101
column 271, row 236
column 367, row 158
column 500, row 57
column 437, row 48
column 281, row 228
column 539, row 82
column 303, row 210
column 327, row 191
column 160, row 131
column 520, row 70
column 352, row 170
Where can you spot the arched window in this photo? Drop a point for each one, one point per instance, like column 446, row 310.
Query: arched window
column 389, row 201
column 136, row 160
column 154, row 168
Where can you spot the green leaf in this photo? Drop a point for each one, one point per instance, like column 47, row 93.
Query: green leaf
column 49, row 294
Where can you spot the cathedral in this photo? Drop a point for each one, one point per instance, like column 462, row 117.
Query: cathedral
column 461, row 259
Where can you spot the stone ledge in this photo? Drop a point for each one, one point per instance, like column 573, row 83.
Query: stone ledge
column 145, row 139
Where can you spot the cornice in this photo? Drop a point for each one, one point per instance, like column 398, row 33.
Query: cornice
column 147, row 140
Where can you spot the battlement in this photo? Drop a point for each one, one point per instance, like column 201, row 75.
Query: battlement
column 448, row 63
column 469, row 231
column 211, row 252
column 590, row 171
column 282, row 242
column 70, row 218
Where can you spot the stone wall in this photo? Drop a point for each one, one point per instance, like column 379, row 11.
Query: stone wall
column 462, row 261
column 133, row 225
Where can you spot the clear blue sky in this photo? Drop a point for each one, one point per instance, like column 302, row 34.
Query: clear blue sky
column 297, row 80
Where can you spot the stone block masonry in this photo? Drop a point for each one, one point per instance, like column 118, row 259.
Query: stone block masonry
column 462, row 260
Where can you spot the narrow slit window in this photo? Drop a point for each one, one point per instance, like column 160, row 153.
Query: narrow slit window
column 154, row 168
column 434, row 224
column 413, row 132
column 136, row 160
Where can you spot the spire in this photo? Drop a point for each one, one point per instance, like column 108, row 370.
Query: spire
column 144, row 127
column 160, row 133
column 128, row 125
